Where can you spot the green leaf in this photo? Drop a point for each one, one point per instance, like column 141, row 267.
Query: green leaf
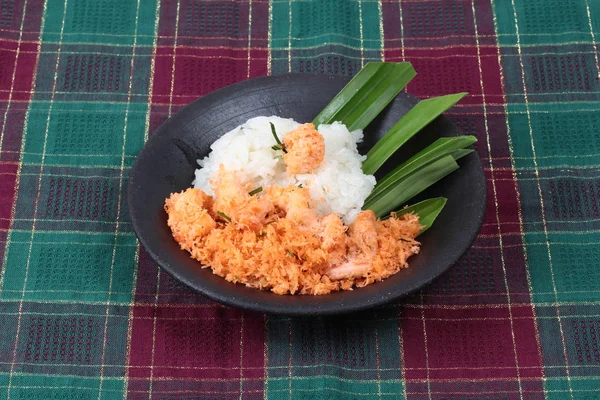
column 458, row 154
column 410, row 185
column 279, row 146
column 416, row 119
column 442, row 147
column 224, row 216
column 367, row 94
column 255, row 191
column 427, row 210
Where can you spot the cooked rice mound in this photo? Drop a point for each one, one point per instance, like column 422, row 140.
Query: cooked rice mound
column 324, row 159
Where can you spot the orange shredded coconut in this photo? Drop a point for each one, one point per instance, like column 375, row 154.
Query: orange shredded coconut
column 275, row 241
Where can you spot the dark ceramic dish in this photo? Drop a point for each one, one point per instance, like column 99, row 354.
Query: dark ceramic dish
column 167, row 163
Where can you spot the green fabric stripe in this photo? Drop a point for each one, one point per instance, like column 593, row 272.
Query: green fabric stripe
column 314, row 26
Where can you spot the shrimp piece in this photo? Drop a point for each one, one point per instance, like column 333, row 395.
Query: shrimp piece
column 305, row 149
column 189, row 219
column 227, row 188
column 348, row 270
column 333, row 234
column 362, row 248
column 363, row 235
column 295, row 202
column 233, row 200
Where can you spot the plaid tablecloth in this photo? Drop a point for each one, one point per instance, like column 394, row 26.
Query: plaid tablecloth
column 84, row 312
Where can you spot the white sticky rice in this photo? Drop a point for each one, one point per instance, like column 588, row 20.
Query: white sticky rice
column 337, row 186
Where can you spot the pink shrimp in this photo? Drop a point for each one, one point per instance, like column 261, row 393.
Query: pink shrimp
column 233, row 201
column 305, row 148
column 189, row 217
column 362, row 248
column 333, row 233
column 295, row 202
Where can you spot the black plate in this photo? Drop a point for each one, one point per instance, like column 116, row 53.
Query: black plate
column 167, row 162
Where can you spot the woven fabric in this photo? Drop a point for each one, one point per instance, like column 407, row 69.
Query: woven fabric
column 86, row 314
